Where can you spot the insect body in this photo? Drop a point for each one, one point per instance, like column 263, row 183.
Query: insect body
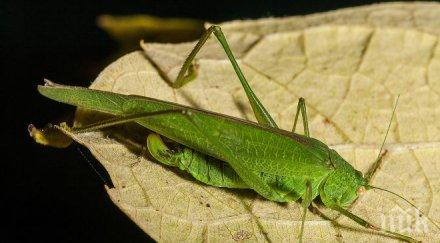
column 224, row 151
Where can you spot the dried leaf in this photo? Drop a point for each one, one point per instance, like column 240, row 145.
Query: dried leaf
column 129, row 29
column 350, row 75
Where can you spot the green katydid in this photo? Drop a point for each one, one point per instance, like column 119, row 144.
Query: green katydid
column 224, row 151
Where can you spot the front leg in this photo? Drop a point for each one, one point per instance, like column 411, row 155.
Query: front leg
column 306, row 202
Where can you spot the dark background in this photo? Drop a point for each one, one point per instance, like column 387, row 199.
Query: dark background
column 53, row 194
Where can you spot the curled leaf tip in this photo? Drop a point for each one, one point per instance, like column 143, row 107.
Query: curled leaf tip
column 49, row 136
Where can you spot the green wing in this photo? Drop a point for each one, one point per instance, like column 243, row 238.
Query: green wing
column 241, row 143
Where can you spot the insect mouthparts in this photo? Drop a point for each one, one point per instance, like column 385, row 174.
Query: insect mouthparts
column 361, row 190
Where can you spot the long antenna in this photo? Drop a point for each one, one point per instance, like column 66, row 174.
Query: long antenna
column 389, row 127
column 376, row 163
column 406, row 200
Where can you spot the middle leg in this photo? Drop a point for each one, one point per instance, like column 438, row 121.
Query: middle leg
column 301, row 107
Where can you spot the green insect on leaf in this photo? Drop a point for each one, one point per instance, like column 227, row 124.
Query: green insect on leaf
column 224, row 151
